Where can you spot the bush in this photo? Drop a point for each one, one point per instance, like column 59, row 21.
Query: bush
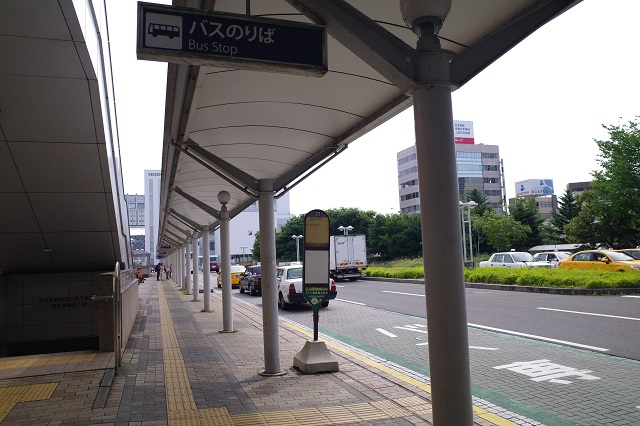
column 536, row 277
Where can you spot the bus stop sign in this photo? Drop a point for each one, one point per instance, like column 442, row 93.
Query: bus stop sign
column 192, row 36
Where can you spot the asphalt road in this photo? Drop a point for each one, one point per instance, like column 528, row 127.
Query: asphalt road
column 599, row 322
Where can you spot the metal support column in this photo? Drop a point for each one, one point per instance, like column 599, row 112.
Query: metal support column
column 225, row 264
column 189, row 265
column 270, row 327
column 206, row 271
column 441, row 235
column 196, row 285
column 185, row 265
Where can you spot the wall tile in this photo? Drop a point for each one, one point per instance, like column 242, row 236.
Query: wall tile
column 34, row 332
column 15, row 294
column 14, row 316
column 14, row 334
column 58, row 331
column 58, row 316
column 80, row 329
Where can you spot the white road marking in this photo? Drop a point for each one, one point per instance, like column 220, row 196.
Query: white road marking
column 406, row 294
column 483, row 348
column 590, row 313
column 422, row 344
column 385, row 332
column 340, row 286
column 638, row 297
column 349, row 301
column 410, row 329
column 533, row 336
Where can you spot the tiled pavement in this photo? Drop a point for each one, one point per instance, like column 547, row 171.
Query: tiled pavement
column 178, row 369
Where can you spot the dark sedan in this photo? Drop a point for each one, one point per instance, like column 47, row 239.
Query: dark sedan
column 251, row 280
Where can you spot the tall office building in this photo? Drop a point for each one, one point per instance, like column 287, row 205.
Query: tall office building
column 478, row 168
column 152, row 212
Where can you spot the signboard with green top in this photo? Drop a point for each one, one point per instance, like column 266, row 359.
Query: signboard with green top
column 315, row 275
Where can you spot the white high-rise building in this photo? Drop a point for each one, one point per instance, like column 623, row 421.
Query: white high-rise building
column 152, row 212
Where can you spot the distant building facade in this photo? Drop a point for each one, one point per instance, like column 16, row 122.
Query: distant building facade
column 479, row 167
column 152, row 212
column 543, row 192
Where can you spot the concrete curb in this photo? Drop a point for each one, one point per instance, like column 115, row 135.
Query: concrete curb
column 526, row 289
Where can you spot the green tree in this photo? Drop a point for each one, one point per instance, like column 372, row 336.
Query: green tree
column 585, row 227
column 255, row 253
column 617, row 186
column 481, row 200
column 504, row 232
column 525, row 210
column 568, row 208
column 285, row 244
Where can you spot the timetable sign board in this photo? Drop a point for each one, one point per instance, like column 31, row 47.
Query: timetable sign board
column 192, row 36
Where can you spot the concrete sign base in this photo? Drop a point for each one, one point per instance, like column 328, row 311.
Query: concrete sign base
column 315, row 358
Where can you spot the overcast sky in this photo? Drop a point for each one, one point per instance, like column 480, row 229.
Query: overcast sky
column 543, row 104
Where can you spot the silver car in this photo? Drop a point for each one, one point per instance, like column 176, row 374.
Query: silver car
column 513, row 259
column 552, row 257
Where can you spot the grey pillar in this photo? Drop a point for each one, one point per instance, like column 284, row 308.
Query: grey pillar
column 225, row 264
column 185, row 269
column 179, row 265
column 196, row 285
column 270, row 326
column 441, row 235
column 206, row 274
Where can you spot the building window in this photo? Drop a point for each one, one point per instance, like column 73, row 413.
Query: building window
column 409, row 183
column 408, row 171
column 491, row 168
column 410, row 196
column 462, row 154
column 489, row 155
column 406, row 159
column 491, row 180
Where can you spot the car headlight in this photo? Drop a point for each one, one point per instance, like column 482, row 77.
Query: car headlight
column 635, row 268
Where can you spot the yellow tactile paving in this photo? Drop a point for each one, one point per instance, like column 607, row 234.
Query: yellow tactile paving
column 181, row 406
column 46, row 360
column 10, row 396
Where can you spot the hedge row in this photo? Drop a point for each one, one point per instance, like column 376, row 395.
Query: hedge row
column 559, row 278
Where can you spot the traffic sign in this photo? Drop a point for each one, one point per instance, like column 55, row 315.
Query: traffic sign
column 315, row 269
column 193, row 36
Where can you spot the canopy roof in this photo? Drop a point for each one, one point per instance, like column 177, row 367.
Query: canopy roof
column 227, row 129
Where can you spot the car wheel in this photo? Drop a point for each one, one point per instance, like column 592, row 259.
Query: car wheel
column 324, row 304
column 252, row 290
column 284, row 305
column 241, row 288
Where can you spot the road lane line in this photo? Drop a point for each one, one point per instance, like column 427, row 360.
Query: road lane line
column 590, row 313
column 406, row 294
column 385, row 332
column 484, row 348
column 638, row 297
column 533, row 336
column 349, row 301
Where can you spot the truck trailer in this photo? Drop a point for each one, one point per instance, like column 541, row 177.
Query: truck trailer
column 347, row 256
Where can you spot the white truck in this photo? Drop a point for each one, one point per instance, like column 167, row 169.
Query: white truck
column 347, row 256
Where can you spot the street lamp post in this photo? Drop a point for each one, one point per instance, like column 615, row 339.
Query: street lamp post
column 345, row 229
column 297, row 238
column 467, row 206
column 243, row 248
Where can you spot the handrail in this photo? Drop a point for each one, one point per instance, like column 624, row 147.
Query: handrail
column 117, row 318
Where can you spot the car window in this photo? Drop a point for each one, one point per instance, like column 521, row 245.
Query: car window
column 522, row 257
column 562, row 256
column 279, row 273
column 551, row 257
column 256, row 270
column 541, row 257
column 597, row 256
column 619, row 256
column 582, row 257
column 497, row 258
column 508, row 258
column 294, row 273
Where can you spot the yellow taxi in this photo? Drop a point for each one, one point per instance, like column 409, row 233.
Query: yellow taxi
column 236, row 272
column 608, row 260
